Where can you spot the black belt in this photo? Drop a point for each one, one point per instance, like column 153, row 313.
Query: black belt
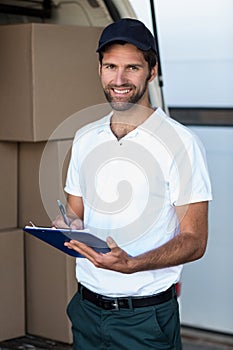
column 108, row 303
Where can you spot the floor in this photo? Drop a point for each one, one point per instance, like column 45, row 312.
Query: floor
column 192, row 340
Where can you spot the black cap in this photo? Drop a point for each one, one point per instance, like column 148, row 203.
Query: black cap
column 128, row 30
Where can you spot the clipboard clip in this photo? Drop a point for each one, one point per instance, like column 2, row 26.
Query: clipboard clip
column 31, row 223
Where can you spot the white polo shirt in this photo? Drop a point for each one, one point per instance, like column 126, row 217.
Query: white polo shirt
column 130, row 189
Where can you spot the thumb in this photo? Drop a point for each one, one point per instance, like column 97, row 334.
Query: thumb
column 111, row 243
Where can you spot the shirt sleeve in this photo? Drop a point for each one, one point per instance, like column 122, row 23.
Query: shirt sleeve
column 189, row 178
column 72, row 185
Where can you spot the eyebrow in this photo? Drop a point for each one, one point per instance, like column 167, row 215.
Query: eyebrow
column 127, row 65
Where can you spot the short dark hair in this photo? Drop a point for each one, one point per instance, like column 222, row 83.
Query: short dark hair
column 149, row 55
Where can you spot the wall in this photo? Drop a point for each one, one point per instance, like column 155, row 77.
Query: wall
column 196, row 48
column 207, row 284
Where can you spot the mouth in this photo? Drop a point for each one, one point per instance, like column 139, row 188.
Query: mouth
column 121, row 91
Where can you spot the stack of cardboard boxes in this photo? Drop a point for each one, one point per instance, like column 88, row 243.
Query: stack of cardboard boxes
column 12, row 302
column 49, row 72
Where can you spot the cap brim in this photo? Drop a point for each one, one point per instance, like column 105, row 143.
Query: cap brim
column 139, row 45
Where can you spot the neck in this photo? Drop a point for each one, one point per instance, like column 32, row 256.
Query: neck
column 123, row 122
column 136, row 115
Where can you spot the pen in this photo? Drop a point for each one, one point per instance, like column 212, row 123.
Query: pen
column 63, row 212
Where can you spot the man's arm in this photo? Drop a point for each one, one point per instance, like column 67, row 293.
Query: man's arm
column 188, row 245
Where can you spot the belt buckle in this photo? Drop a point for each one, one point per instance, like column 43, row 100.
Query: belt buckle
column 122, row 303
column 115, row 304
column 118, row 303
column 110, row 303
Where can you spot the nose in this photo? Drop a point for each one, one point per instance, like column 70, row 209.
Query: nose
column 120, row 77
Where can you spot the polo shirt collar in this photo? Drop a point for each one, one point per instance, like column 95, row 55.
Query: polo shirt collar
column 104, row 125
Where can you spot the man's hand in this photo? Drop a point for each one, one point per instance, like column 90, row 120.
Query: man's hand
column 116, row 260
column 75, row 223
column 74, row 212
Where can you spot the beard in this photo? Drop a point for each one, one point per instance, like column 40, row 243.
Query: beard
column 119, row 104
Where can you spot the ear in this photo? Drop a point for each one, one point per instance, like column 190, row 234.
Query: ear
column 153, row 73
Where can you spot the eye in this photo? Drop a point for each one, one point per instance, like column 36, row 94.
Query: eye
column 109, row 66
column 133, row 68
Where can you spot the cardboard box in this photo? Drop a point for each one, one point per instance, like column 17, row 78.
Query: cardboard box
column 8, row 184
column 42, row 173
column 48, row 73
column 50, row 281
column 50, row 285
column 12, row 292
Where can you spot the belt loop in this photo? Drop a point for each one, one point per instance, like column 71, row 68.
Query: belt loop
column 130, row 303
column 174, row 294
column 80, row 290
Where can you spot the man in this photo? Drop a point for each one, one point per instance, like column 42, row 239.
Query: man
column 139, row 180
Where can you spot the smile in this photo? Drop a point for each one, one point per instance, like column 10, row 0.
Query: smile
column 121, row 92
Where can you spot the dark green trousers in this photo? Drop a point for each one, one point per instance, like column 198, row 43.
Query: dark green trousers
column 147, row 328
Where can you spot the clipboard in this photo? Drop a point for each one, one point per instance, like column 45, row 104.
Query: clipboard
column 57, row 237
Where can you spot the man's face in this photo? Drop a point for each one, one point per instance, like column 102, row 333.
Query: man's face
column 125, row 75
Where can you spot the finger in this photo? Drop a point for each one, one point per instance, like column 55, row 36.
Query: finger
column 111, row 243
column 83, row 249
column 59, row 222
column 76, row 224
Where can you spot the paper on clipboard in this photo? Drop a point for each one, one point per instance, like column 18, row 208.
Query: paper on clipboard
column 57, row 237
